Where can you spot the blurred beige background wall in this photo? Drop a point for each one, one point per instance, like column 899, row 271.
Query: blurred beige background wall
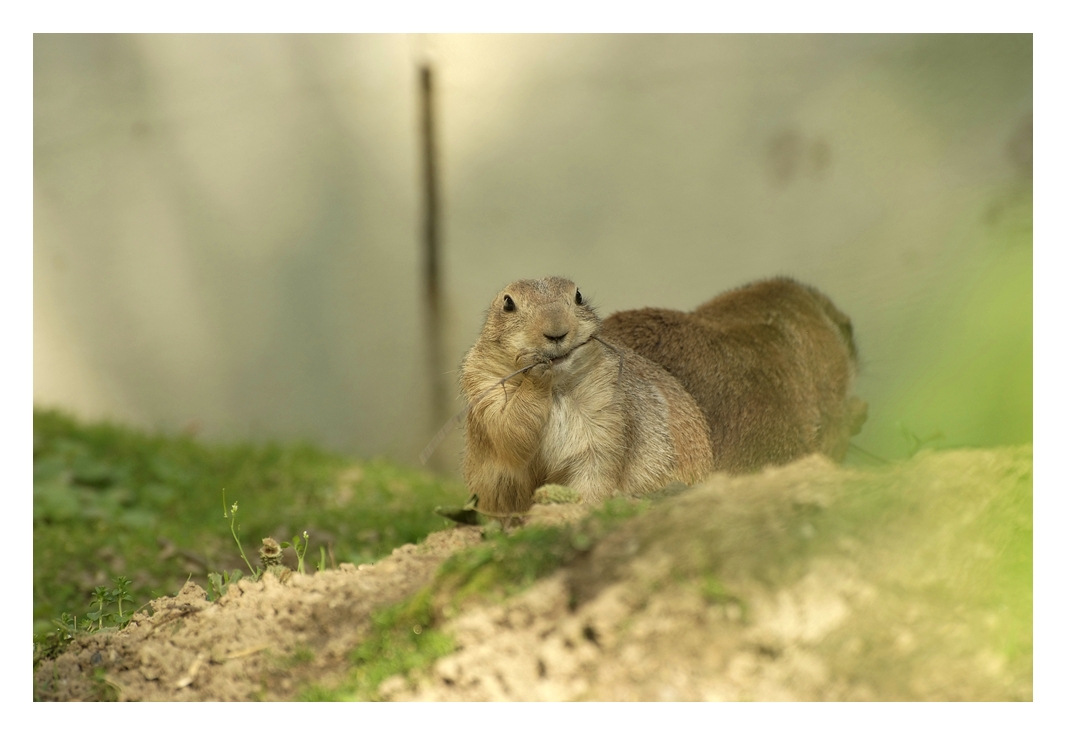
column 227, row 228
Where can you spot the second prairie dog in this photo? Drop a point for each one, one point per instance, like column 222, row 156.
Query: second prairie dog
column 771, row 365
column 600, row 419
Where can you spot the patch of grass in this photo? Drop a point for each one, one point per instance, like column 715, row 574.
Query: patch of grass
column 714, row 592
column 402, row 638
column 302, row 655
column 512, row 562
column 298, row 657
column 111, row 501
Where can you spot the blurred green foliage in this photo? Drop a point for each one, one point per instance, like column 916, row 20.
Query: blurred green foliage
column 111, row 501
column 967, row 381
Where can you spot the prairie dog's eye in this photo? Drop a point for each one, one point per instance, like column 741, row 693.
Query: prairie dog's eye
column 508, row 303
column 578, row 298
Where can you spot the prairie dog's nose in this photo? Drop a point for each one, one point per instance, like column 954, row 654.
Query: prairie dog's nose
column 555, row 324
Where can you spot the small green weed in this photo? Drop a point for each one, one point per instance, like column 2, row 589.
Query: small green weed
column 103, row 598
column 67, row 627
column 234, row 530
column 269, row 553
column 219, row 583
column 300, row 549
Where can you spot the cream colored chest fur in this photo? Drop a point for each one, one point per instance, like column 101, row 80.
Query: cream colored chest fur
column 581, row 435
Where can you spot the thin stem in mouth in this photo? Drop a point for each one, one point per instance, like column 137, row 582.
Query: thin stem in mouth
column 615, row 350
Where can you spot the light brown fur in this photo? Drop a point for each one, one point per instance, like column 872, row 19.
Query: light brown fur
column 598, row 418
column 770, row 364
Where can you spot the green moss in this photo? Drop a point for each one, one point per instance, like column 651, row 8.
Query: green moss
column 713, row 591
column 512, row 562
column 301, row 655
column 401, row 639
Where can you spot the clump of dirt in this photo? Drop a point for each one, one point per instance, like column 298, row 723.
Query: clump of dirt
column 805, row 582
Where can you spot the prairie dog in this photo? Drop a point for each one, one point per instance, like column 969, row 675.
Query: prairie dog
column 770, row 364
column 598, row 418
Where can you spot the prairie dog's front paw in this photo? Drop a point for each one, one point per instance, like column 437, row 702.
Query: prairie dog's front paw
column 555, row 494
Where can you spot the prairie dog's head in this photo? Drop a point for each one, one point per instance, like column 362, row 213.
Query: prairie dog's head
column 536, row 321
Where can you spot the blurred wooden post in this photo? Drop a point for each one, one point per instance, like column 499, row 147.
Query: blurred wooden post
column 439, row 403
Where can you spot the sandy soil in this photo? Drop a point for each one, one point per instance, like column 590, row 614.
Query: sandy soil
column 248, row 645
column 760, row 587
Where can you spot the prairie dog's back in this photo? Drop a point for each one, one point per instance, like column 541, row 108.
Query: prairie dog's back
column 770, row 365
column 784, row 301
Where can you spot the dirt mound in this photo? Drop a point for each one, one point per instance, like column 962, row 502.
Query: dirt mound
column 808, row 582
column 261, row 640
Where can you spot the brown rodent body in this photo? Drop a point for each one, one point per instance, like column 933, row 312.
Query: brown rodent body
column 770, row 364
column 598, row 418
